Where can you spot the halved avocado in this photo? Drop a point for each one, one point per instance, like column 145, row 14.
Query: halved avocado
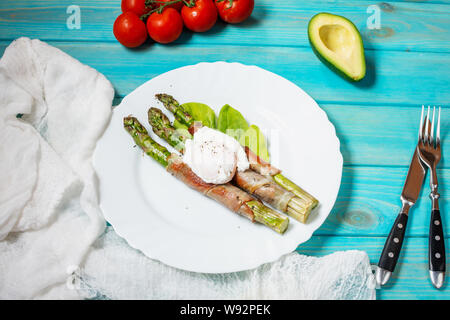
column 337, row 42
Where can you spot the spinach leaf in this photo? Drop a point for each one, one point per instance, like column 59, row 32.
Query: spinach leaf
column 199, row 112
column 231, row 122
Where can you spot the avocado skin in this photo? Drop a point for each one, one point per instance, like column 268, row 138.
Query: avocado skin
column 328, row 63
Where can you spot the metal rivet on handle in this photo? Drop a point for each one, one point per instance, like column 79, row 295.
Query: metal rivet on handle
column 396, row 240
column 391, row 254
column 437, row 255
column 437, row 238
column 400, row 226
column 436, row 222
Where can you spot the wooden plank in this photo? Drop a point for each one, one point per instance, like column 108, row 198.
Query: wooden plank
column 116, row 3
column 369, row 201
column 404, row 26
column 410, row 279
column 411, row 78
column 381, row 135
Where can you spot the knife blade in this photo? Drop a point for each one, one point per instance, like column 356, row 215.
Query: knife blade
column 410, row 194
column 413, row 182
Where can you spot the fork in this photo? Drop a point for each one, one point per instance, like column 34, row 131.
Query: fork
column 429, row 151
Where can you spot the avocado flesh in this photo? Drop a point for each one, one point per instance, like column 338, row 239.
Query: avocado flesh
column 338, row 42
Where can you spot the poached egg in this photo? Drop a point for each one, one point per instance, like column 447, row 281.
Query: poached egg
column 214, row 156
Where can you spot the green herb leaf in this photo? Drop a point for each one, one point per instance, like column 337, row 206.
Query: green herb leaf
column 199, row 112
column 231, row 122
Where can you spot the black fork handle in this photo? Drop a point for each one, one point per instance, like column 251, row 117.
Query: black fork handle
column 436, row 245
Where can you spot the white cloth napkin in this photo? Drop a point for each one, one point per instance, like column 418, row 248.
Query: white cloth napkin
column 49, row 213
column 53, row 242
column 341, row 275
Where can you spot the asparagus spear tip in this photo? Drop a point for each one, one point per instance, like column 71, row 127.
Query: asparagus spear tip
column 173, row 106
column 162, row 127
column 143, row 140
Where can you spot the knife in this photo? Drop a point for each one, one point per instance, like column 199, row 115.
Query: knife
column 393, row 245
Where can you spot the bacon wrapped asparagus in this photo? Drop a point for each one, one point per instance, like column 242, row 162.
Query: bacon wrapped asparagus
column 304, row 202
column 263, row 187
column 228, row 195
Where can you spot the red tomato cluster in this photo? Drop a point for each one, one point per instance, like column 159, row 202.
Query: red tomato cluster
column 163, row 20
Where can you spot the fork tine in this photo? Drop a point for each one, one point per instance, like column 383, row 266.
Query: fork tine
column 427, row 125
column 421, row 124
column 438, row 129
column 432, row 128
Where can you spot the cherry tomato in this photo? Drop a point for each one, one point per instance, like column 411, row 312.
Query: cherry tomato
column 201, row 17
column 238, row 11
column 129, row 30
column 165, row 27
column 136, row 6
column 176, row 5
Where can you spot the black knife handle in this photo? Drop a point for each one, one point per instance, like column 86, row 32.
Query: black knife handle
column 393, row 245
column 436, row 246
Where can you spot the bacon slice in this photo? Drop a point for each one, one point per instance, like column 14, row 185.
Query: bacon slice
column 264, row 188
column 195, row 127
column 259, row 165
column 228, row 195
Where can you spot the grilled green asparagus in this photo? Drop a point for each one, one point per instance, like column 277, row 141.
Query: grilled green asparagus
column 230, row 196
column 304, row 202
column 249, row 181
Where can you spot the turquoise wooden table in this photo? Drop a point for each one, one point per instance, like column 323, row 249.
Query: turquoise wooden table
column 408, row 59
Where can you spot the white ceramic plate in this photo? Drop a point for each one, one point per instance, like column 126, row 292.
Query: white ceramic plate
column 172, row 223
